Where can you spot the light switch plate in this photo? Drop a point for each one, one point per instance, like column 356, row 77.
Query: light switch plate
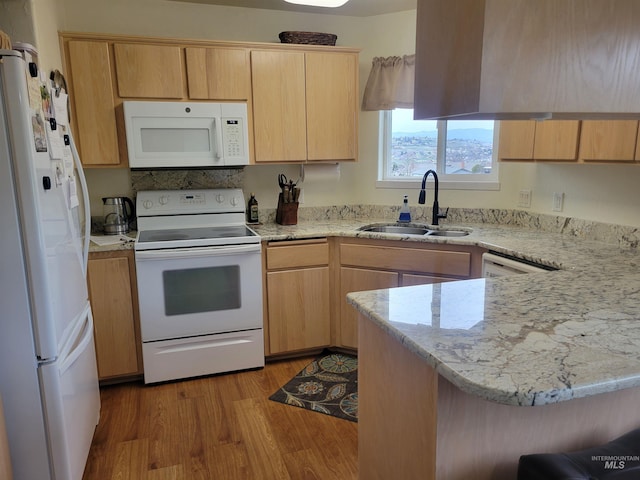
column 524, row 199
column 558, row 201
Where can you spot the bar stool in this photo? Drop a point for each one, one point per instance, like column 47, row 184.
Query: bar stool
column 617, row 460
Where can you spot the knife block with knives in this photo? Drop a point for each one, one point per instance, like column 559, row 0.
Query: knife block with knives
column 287, row 211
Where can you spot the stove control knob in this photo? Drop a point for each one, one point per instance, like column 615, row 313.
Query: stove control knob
column 234, row 201
column 220, row 198
column 147, row 204
column 164, row 199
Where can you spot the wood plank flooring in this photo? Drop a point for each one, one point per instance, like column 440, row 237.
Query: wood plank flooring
column 221, row 427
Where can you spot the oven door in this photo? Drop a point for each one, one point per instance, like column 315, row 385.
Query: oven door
column 199, row 291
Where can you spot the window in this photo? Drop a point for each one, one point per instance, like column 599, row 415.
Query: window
column 460, row 151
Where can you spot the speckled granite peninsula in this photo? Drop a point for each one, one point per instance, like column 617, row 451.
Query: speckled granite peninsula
column 500, row 367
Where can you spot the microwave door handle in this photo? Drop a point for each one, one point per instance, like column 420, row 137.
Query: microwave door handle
column 217, row 139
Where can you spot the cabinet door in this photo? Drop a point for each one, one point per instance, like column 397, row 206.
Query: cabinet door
column 539, row 140
column 299, row 309
column 110, row 292
column 516, row 139
column 355, row 280
column 608, row 140
column 89, row 74
column 556, row 140
column 332, row 106
column 279, row 113
column 218, row 73
column 149, row 71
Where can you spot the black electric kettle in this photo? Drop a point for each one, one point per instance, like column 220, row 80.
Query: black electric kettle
column 119, row 213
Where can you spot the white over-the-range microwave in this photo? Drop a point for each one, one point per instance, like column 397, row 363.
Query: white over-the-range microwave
column 186, row 134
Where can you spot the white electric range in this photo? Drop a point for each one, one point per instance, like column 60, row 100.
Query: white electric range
column 199, row 284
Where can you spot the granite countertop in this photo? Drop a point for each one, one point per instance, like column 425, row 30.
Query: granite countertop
column 529, row 339
column 526, row 340
column 108, row 243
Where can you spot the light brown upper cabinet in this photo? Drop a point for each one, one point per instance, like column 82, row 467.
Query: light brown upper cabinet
column 608, row 140
column 218, row 73
column 516, row 140
column 90, row 81
column 548, row 140
column 279, row 111
column 149, row 71
column 332, row 106
column 585, row 141
column 305, row 105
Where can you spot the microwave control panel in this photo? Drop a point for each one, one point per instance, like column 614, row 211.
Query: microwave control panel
column 233, row 141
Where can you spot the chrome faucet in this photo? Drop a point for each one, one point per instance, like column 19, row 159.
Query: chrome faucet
column 421, row 199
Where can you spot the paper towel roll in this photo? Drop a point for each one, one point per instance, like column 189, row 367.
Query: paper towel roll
column 321, row 172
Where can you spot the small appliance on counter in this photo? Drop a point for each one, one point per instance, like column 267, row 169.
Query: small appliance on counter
column 119, row 213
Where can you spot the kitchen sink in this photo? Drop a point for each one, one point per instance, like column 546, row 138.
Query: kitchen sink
column 396, row 229
column 415, row 230
column 448, row 233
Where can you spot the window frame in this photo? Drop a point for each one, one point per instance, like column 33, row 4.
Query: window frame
column 446, row 181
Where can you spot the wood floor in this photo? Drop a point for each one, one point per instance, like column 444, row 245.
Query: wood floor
column 221, row 427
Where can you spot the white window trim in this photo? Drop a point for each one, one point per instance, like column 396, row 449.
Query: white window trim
column 446, row 181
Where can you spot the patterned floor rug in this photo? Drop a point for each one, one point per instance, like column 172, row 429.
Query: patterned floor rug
column 327, row 385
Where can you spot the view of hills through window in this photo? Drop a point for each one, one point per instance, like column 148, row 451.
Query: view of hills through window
column 414, row 146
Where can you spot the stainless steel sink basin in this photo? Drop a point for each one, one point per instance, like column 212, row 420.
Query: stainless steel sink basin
column 415, row 230
column 396, row 229
column 448, row 233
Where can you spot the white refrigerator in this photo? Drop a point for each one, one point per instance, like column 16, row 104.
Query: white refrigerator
column 48, row 375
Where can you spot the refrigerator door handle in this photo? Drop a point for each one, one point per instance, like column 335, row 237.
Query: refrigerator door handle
column 77, row 345
column 87, row 206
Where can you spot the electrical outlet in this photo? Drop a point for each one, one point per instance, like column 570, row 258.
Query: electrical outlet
column 524, row 199
column 558, row 201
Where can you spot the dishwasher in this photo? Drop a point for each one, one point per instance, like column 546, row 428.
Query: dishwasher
column 501, row 265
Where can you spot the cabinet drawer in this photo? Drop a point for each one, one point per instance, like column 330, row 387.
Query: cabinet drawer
column 294, row 256
column 413, row 260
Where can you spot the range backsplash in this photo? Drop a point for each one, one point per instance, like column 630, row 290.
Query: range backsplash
column 186, row 179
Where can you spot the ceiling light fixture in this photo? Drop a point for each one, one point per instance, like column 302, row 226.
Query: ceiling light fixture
column 319, row 3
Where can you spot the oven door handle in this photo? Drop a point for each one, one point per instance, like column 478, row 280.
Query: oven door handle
column 196, row 252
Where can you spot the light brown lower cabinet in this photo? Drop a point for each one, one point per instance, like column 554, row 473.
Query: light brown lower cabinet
column 354, row 280
column 376, row 264
column 306, row 283
column 114, row 302
column 298, row 296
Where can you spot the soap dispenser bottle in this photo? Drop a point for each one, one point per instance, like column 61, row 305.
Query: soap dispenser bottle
column 405, row 213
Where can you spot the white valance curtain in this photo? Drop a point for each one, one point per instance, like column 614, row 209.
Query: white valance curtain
column 390, row 83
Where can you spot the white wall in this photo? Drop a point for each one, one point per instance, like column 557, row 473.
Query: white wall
column 16, row 20
column 602, row 193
